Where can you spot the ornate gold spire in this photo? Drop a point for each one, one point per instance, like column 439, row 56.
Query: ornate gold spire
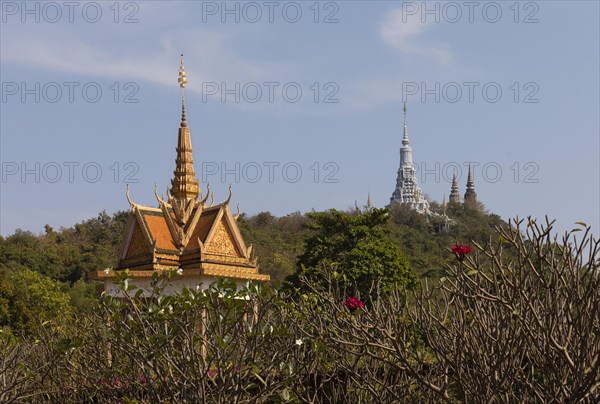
column 184, row 185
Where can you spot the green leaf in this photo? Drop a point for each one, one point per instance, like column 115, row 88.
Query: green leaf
column 471, row 272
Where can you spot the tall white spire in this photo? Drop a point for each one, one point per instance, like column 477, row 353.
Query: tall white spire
column 407, row 190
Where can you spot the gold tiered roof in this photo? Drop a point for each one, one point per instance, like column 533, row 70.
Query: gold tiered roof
column 185, row 231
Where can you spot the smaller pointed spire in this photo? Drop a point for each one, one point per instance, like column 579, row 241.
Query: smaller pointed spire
column 470, row 194
column 369, row 202
column 470, row 179
column 454, row 193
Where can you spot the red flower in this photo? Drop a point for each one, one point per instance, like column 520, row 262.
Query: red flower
column 353, row 304
column 461, row 250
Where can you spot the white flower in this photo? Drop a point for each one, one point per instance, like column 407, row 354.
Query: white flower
column 299, row 342
column 107, row 271
column 180, row 271
column 126, row 284
column 170, row 309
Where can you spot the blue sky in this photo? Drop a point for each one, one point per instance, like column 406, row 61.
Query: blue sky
column 514, row 89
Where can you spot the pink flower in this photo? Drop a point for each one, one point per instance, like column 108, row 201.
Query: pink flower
column 353, row 304
column 461, row 251
column 212, row 373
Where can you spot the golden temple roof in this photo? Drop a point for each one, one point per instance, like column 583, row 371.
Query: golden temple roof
column 185, row 231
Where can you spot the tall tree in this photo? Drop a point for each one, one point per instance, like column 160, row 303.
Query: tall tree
column 356, row 246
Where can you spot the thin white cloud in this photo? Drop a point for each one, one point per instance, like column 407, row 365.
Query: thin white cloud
column 402, row 33
column 209, row 57
column 75, row 56
column 145, row 52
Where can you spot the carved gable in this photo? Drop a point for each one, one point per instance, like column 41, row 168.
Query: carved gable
column 222, row 241
column 138, row 246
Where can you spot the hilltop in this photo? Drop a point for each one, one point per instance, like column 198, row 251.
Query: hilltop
column 70, row 253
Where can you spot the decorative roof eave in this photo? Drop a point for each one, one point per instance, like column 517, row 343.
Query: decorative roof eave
column 191, row 225
column 127, row 240
column 236, row 274
column 237, row 216
column 173, row 228
column 208, row 193
column 136, row 210
column 237, row 236
column 206, row 270
column 131, row 203
column 144, row 227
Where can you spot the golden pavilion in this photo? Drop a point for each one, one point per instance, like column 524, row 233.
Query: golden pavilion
column 195, row 240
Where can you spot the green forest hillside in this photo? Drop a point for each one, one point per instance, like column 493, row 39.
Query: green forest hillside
column 56, row 262
column 279, row 241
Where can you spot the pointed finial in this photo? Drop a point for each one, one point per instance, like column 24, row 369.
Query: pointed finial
column 203, row 201
column 182, row 78
column 229, row 198
column 369, row 202
column 158, row 198
column 405, row 140
column 131, row 203
column 182, row 83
